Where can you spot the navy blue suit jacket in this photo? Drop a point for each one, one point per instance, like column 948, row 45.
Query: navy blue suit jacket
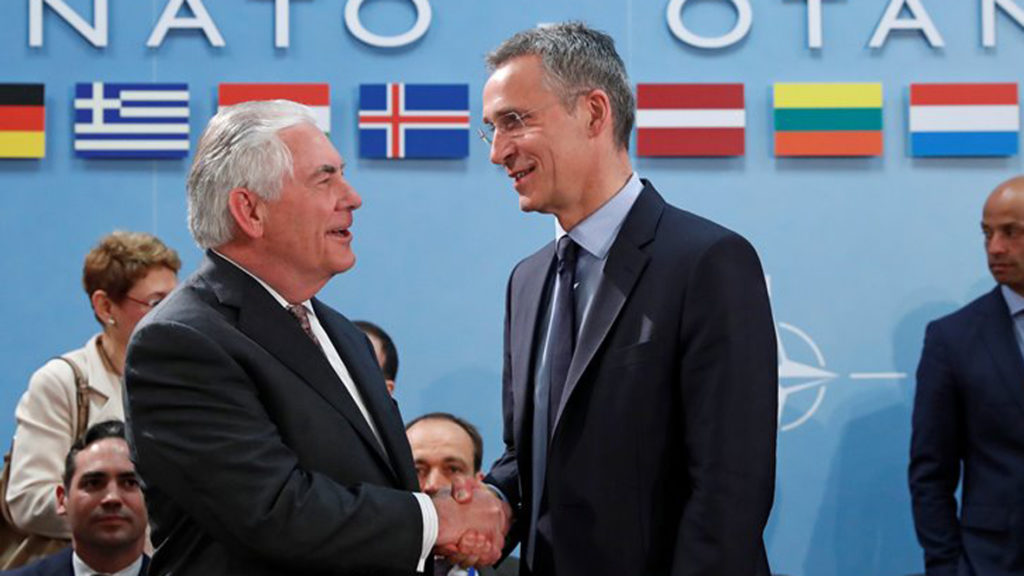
column 662, row 456
column 58, row 565
column 969, row 412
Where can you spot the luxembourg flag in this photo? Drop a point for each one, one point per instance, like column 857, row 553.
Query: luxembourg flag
column 964, row 119
column 398, row 120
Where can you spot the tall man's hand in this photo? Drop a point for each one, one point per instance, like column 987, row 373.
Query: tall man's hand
column 472, row 523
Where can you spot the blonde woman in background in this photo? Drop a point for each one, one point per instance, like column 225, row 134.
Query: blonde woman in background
column 125, row 276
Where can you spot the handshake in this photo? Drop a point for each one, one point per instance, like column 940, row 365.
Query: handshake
column 472, row 523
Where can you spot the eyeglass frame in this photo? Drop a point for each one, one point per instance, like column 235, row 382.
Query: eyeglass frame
column 520, row 119
column 151, row 303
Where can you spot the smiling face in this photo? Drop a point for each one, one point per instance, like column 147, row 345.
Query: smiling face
column 549, row 157
column 103, row 502
column 306, row 234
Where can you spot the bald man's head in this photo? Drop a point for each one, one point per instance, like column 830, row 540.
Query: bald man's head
column 1002, row 222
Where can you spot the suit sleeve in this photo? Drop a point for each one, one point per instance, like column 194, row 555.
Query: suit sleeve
column 936, row 450
column 504, row 474
column 729, row 387
column 204, row 440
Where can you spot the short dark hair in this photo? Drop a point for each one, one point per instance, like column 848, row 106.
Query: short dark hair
column 474, row 434
column 390, row 367
column 95, row 433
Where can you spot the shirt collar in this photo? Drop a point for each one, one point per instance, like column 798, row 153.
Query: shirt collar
column 83, row 569
column 280, row 299
column 1013, row 300
column 596, row 232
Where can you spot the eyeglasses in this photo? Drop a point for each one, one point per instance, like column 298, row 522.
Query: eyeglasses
column 511, row 124
column 151, row 303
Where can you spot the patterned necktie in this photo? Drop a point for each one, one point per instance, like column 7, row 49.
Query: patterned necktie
column 302, row 315
column 563, row 326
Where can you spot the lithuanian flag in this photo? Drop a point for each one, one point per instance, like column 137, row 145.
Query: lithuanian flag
column 22, row 121
column 828, row 119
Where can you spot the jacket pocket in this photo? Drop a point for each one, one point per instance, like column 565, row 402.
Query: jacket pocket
column 985, row 517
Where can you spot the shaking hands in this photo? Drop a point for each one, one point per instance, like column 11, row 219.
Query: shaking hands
column 472, row 523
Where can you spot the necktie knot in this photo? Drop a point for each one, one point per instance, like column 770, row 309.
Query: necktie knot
column 302, row 315
column 566, row 252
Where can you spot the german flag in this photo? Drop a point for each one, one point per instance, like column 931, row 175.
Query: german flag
column 828, row 119
column 22, row 121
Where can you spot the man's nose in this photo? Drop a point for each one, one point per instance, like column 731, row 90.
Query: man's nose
column 435, row 482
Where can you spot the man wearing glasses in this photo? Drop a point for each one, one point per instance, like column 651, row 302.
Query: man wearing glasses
column 640, row 379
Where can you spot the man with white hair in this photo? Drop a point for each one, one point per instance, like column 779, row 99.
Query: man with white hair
column 260, row 418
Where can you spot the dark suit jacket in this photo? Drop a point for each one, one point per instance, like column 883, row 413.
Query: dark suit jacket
column 58, row 564
column 257, row 459
column 969, row 412
column 662, row 458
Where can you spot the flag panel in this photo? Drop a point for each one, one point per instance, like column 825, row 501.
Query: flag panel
column 966, row 93
column 828, row 119
column 22, row 121
column 131, row 120
column 978, row 144
column 689, row 120
column 829, row 95
column 428, row 121
column 317, row 96
column 846, row 143
column 964, row 119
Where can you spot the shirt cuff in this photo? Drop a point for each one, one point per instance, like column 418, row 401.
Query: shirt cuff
column 429, row 529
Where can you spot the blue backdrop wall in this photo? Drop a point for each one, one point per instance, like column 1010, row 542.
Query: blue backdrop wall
column 861, row 253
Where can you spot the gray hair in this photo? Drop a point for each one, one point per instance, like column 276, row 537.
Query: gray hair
column 576, row 59
column 240, row 148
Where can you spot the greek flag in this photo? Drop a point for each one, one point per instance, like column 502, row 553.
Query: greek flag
column 131, row 120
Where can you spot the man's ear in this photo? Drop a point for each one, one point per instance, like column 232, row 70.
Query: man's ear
column 248, row 210
column 598, row 108
column 62, row 508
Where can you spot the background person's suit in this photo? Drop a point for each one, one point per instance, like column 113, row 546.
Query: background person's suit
column 663, row 452
column 59, row 565
column 969, row 411
column 257, row 459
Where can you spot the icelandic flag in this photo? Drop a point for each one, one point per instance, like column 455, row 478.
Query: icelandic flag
column 131, row 120
column 964, row 119
column 398, row 120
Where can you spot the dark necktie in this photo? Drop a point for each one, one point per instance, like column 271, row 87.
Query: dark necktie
column 563, row 326
column 302, row 315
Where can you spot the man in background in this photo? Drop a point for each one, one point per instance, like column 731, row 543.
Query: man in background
column 384, row 349
column 444, row 448
column 969, row 414
column 101, row 497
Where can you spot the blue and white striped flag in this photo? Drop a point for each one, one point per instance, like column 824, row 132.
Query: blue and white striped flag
column 146, row 120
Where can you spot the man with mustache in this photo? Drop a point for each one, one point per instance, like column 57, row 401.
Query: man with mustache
column 969, row 415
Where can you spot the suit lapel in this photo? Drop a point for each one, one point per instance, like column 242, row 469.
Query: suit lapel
column 355, row 353
column 998, row 334
column 530, row 289
column 626, row 261
column 263, row 319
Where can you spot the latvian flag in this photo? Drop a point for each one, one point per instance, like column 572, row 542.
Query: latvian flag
column 828, row 119
column 22, row 121
column 690, row 120
column 315, row 95
column 131, row 120
column 964, row 119
column 398, row 120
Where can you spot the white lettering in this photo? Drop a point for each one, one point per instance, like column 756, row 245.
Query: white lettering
column 920, row 20
column 282, row 24
column 169, row 19
column 744, row 19
column 988, row 19
column 814, row 24
column 419, row 28
column 95, row 34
